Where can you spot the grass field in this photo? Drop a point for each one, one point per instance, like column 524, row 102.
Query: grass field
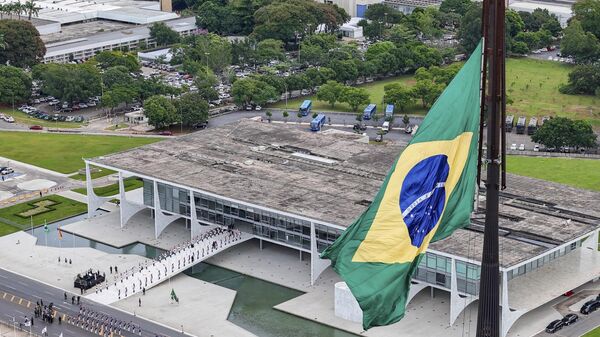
column 23, row 118
column 63, row 153
column 113, row 189
column 593, row 333
column 62, row 208
column 581, row 173
column 531, row 84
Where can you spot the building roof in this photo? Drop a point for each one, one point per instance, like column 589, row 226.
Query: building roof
column 332, row 177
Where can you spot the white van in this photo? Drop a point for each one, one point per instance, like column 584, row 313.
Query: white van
column 385, row 127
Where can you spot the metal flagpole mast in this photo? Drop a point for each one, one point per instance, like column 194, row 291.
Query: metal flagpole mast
column 488, row 320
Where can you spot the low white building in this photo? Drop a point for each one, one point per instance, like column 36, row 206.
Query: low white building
column 351, row 29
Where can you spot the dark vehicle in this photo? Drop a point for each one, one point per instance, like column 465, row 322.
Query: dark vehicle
column 62, row 118
column 570, row 319
column 359, row 127
column 509, row 123
column 202, row 125
column 532, row 127
column 166, row 133
column 36, row 127
column 554, row 326
column 521, row 125
column 67, row 110
column 589, row 307
column 88, row 280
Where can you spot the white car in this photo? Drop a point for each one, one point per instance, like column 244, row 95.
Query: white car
column 522, row 147
column 83, row 105
column 70, row 118
column 258, row 108
column 513, row 146
column 536, row 148
column 10, row 119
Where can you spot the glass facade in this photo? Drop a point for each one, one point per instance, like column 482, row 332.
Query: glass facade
column 433, row 268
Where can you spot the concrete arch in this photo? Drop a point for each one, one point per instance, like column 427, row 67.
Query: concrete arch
column 458, row 302
column 161, row 219
column 128, row 209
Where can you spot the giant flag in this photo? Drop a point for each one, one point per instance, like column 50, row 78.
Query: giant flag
column 427, row 194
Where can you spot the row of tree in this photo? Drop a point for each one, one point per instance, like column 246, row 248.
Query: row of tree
column 18, row 9
column 188, row 109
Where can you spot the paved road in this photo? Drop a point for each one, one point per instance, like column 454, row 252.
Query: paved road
column 32, row 291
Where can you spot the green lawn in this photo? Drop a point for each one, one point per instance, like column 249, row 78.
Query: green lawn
column 61, row 152
column 60, row 208
column 23, row 118
column 113, row 189
column 581, row 173
column 102, row 173
column 593, row 333
column 531, row 84
column 117, row 127
column 375, row 89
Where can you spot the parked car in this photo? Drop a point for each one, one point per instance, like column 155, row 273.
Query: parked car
column 6, row 170
column 201, row 125
column 359, row 127
column 536, row 148
column 258, row 108
column 589, row 307
column 379, row 138
column 166, row 133
column 36, row 127
column 522, row 147
column 554, row 326
column 513, row 146
column 570, row 319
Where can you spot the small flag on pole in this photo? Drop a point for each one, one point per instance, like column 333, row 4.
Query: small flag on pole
column 60, row 236
column 174, row 296
column 46, row 228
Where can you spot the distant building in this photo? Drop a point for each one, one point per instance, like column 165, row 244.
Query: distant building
column 128, row 39
column 351, row 29
column 562, row 10
column 408, row 6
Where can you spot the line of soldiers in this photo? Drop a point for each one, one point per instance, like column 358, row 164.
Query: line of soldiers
column 102, row 324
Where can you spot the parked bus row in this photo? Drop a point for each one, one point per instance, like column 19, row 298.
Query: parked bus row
column 522, row 126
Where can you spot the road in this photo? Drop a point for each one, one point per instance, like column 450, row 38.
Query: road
column 18, row 296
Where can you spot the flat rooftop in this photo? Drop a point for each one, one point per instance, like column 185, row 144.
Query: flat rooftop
column 333, row 178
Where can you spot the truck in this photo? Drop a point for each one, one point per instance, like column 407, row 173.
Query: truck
column 369, row 111
column 305, row 107
column 509, row 123
column 389, row 112
column 521, row 125
column 532, row 126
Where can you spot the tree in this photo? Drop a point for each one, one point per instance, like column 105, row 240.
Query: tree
column 249, row 90
column 118, row 94
column 269, row 50
column 214, row 17
column 15, row 85
column 583, row 79
column 427, row 91
column 330, row 92
column 345, row 71
column 383, row 13
column 31, row 9
column 2, row 43
column 531, row 39
column 163, row 34
column 455, row 6
column 69, row 82
column 192, row 109
column 355, row 97
column 582, row 46
column 405, row 120
column 399, row 95
column 113, row 58
column 26, row 47
column 160, row 111
column 205, row 82
column 285, row 115
column 118, row 75
column 560, row 132
column 210, row 49
column 469, row 31
column 588, row 13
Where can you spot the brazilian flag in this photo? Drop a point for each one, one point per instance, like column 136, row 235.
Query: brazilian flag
column 427, row 194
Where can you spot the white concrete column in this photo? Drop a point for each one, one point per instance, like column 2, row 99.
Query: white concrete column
column 93, row 201
column 458, row 303
column 509, row 316
column 161, row 220
column 592, row 241
column 317, row 265
column 127, row 209
column 194, row 224
column 415, row 288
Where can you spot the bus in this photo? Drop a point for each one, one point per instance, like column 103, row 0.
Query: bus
column 521, row 125
column 317, row 123
column 370, row 110
column 305, row 107
column 389, row 111
column 532, row 127
column 509, row 123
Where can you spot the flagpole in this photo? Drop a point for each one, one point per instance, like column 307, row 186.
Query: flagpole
column 46, row 232
column 488, row 319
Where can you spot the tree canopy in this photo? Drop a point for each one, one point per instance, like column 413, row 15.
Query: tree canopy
column 23, row 45
column 560, row 132
column 160, row 111
column 163, row 34
column 15, row 85
column 192, row 109
column 69, row 82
